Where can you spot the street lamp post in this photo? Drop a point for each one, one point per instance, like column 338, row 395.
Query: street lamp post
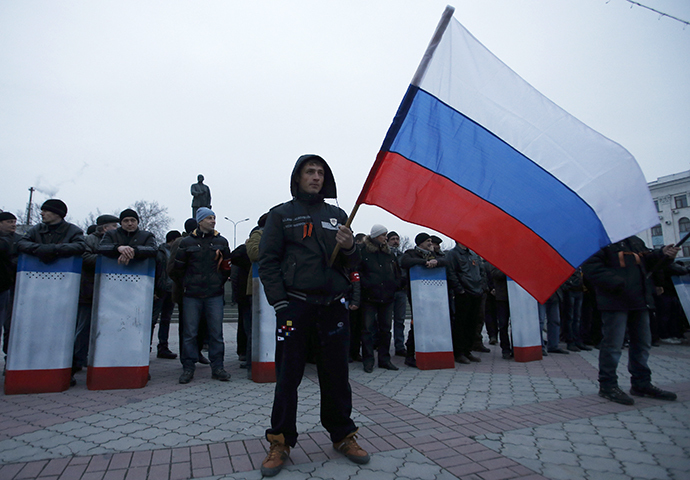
column 234, row 226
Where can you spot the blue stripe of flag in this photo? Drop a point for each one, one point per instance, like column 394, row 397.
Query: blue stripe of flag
column 437, row 137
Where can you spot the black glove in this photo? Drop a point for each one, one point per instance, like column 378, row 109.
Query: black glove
column 46, row 253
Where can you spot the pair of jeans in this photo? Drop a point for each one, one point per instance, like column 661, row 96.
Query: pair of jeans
column 399, row 311
column 550, row 314
column 212, row 309
column 613, row 326
column 376, row 334
column 295, row 324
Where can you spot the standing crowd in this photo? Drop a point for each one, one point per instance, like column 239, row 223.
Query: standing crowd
column 342, row 298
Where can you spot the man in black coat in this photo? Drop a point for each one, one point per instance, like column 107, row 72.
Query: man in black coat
column 621, row 275
column 306, row 291
column 53, row 238
column 465, row 280
column 9, row 238
column 104, row 224
column 128, row 242
column 379, row 276
column 202, row 267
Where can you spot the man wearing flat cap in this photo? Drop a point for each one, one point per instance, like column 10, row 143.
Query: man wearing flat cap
column 104, row 223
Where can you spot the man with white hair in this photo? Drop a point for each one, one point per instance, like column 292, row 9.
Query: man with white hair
column 379, row 277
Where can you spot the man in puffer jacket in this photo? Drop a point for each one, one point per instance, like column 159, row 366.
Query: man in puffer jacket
column 202, row 267
column 305, row 290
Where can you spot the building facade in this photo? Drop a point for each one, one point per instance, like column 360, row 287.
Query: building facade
column 671, row 195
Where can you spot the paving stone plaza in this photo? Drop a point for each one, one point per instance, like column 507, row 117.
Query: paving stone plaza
column 492, row 420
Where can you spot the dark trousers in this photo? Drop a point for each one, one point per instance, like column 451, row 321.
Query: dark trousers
column 82, row 334
column 355, row 332
column 490, row 319
column 399, row 309
column 331, row 325
column 464, row 323
column 376, row 335
column 162, row 307
column 573, row 300
column 6, row 299
column 503, row 318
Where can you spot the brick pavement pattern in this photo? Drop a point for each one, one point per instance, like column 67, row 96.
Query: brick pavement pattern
column 492, row 420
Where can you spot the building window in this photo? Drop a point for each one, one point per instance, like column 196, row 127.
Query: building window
column 656, row 205
column 657, row 236
column 681, row 201
column 684, row 225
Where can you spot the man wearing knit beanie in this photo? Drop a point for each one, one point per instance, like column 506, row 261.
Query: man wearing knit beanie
column 54, row 237
column 423, row 254
column 128, row 242
column 55, row 206
column 201, row 266
column 202, row 213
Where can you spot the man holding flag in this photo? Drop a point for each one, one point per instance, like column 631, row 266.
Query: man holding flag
column 305, row 288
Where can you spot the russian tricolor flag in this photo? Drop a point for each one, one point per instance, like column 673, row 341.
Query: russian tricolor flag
column 478, row 154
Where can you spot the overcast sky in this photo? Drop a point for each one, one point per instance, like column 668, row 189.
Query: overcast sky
column 103, row 103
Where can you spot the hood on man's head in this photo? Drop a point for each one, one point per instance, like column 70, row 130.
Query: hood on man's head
column 328, row 190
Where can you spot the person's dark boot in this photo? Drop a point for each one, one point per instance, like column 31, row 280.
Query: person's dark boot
column 164, row 352
column 653, row 392
column 615, row 394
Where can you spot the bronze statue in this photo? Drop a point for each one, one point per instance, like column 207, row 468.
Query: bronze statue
column 201, row 195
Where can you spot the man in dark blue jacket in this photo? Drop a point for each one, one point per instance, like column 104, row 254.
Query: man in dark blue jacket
column 201, row 266
column 306, row 291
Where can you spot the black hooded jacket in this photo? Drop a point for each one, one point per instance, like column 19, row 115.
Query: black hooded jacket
column 297, row 243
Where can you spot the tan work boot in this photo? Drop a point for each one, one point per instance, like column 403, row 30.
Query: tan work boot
column 349, row 447
column 278, row 454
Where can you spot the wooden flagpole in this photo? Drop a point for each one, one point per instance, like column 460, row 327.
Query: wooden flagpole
column 347, row 224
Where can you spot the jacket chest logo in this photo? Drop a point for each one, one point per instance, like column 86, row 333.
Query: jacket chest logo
column 332, row 224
